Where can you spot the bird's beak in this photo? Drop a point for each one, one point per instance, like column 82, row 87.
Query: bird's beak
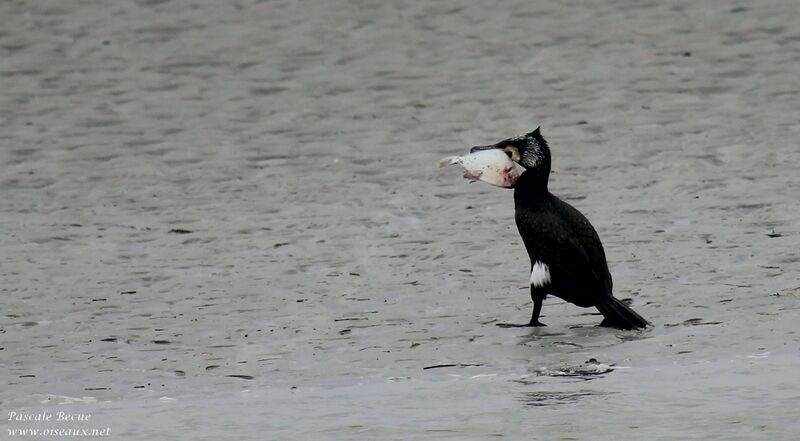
column 483, row 147
column 510, row 150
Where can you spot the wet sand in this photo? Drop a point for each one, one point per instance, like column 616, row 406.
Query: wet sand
column 224, row 219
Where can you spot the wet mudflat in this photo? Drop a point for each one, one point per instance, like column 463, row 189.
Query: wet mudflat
column 226, row 218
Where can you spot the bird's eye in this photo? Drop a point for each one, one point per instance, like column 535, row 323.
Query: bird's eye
column 512, row 152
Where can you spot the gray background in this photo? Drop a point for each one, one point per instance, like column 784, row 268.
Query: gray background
column 327, row 261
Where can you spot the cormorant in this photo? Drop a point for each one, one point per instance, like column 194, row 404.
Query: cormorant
column 567, row 257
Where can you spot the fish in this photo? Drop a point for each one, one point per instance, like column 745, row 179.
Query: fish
column 491, row 166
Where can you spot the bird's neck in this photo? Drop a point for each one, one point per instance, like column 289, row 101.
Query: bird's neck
column 531, row 186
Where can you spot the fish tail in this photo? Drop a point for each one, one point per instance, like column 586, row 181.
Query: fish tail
column 450, row 160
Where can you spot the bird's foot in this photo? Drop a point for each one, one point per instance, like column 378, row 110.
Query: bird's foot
column 535, row 324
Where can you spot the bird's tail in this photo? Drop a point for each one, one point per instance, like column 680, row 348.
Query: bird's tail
column 618, row 315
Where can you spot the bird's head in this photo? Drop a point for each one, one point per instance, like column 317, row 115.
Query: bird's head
column 529, row 150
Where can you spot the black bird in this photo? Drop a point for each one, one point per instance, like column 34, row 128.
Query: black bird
column 567, row 257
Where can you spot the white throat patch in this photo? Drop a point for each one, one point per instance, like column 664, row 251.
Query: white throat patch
column 540, row 274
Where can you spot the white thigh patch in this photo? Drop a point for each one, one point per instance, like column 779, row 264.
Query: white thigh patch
column 540, row 274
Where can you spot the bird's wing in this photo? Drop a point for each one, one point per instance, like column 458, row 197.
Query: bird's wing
column 566, row 241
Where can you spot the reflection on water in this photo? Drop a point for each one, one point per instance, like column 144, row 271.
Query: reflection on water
column 538, row 399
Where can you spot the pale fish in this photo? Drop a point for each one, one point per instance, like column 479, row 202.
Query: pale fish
column 490, row 166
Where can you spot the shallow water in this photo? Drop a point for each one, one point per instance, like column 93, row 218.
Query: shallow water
column 226, row 219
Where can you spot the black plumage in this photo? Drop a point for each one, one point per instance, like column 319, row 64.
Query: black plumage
column 567, row 257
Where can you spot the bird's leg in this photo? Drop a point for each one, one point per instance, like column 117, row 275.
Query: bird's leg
column 537, row 295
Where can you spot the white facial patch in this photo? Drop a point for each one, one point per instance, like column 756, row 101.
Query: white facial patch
column 540, row 274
